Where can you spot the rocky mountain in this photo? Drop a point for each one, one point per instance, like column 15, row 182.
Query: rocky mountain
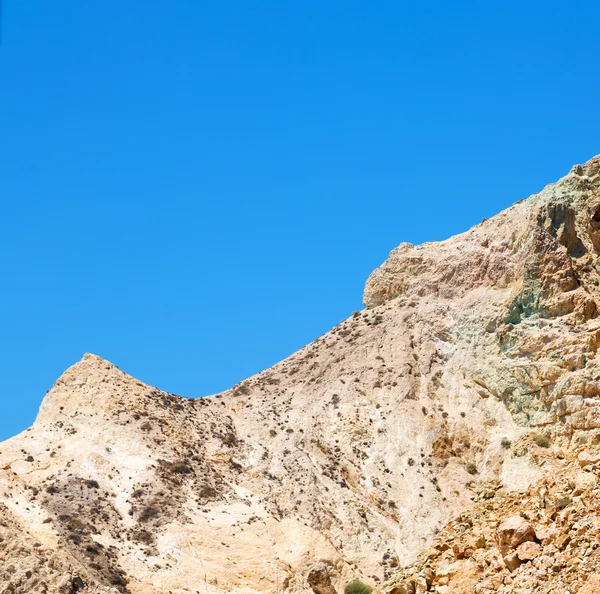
column 444, row 439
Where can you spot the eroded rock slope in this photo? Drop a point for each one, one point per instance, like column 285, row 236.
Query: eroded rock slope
column 345, row 460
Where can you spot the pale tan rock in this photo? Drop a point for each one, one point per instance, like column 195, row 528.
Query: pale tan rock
column 477, row 541
column 588, row 457
column 562, row 541
column 546, row 534
column 514, row 531
column 584, row 481
column 511, row 560
column 591, row 586
column 528, row 551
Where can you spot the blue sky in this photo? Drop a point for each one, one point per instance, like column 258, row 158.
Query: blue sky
column 194, row 190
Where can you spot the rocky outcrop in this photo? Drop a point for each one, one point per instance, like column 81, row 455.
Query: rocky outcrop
column 468, row 385
column 540, row 247
column 319, row 579
column 544, row 540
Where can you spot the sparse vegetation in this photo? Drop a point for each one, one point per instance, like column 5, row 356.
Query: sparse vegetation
column 181, row 468
column 208, row 492
column 506, row 443
column 230, row 439
column 242, row 389
column 143, row 537
column 148, row 513
column 543, row 441
column 357, row 587
column 471, row 468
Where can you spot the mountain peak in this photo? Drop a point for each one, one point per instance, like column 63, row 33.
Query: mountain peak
column 556, row 231
column 89, row 364
column 91, row 384
column 590, row 168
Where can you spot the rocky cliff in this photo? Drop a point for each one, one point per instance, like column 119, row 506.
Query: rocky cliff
column 390, row 449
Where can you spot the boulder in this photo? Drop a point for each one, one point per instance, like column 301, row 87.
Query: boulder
column 529, row 551
column 588, row 457
column 319, row 580
column 514, row 531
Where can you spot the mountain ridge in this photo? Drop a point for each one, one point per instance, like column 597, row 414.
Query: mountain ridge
column 345, row 459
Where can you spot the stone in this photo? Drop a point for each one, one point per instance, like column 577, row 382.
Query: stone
column 528, row 551
column 591, row 586
column 562, row 500
column 546, row 534
column 562, row 541
column 512, row 561
column 514, row 531
column 319, row 579
column 477, row 541
column 70, row 584
column 428, row 575
column 588, row 457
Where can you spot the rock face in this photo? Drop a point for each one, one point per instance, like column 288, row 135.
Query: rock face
column 542, row 541
column 466, row 393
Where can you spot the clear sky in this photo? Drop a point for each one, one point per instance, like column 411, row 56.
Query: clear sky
column 196, row 189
